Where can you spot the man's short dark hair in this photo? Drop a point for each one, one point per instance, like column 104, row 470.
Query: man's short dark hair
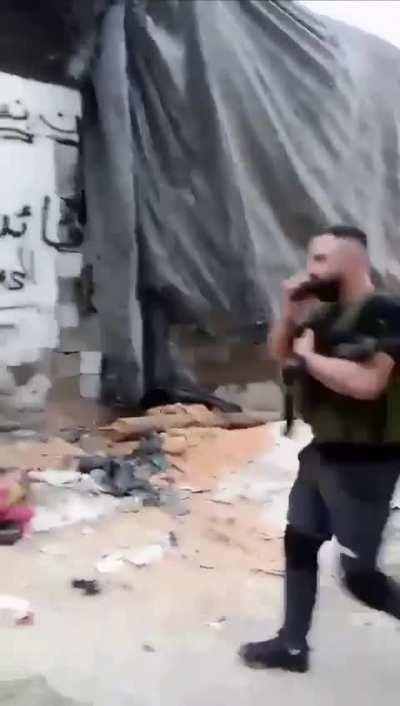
column 349, row 233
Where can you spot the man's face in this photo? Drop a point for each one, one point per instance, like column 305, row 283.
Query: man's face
column 326, row 260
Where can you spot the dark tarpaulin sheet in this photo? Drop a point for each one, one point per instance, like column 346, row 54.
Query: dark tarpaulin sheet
column 217, row 136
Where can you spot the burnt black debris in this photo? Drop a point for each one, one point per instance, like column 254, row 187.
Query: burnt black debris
column 89, row 587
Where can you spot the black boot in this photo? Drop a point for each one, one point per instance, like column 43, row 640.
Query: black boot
column 275, row 654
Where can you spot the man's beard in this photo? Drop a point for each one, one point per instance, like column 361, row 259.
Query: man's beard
column 327, row 290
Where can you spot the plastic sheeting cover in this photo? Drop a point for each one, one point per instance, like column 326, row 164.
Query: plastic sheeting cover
column 218, row 136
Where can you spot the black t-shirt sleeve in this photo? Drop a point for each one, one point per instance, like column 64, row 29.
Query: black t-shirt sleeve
column 380, row 318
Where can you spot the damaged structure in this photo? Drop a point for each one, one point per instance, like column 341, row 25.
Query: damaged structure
column 164, row 163
column 171, row 179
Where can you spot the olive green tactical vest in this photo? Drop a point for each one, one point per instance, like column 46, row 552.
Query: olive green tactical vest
column 335, row 418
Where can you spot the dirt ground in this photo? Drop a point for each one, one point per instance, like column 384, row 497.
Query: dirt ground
column 167, row 634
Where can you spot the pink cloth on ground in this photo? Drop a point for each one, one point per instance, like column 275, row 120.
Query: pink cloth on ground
column 20, row 514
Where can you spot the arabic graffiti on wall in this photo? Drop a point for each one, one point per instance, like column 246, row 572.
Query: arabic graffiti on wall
column 39, row 156
column 16, row 226
column 18, row 124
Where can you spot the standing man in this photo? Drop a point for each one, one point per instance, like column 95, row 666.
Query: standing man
column 348, row 473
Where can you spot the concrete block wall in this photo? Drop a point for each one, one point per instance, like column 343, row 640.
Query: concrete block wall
column 238, row 372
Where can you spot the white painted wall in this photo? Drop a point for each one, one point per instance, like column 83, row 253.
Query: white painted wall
column 34, row 117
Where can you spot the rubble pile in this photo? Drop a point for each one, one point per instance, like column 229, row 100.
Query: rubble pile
column 143, row 460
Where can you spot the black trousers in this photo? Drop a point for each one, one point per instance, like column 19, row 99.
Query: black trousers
column 348, row 499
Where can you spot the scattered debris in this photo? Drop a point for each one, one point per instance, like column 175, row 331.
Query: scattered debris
column 172, row 502
column 126, row 476
column 132, row 504
column 209, row 567
column 177, row 467
column 171, row 444
column 72, row 436
column 173, row 540
column 53, row 512
column 124, row 586
column 39, row 455
column 24, row 434
column 28, row 619
column 222, row 498
column 110, row 564
column 218, row 536
column 179, row 417
column 146, row 556
column 32, row 396
column 194, row 490
column 217, row 624
column 92, row 443
column 268, row 572
column 15, row 611
column 212, row 452
column 54, row 550
column 87, row 531
column 146, row 647
column 148, row 454
column 269, row 538
column 7, row 425
column 57, row 453
column 90, row 587
column 90, row 463
column 67, row 479
column 56, row 478
column 10, row 534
